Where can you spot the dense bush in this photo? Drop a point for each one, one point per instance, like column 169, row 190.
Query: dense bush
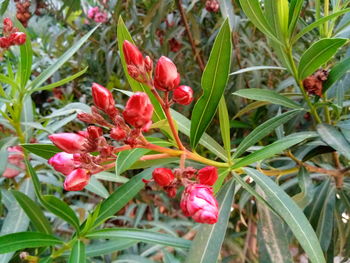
column 174, row 131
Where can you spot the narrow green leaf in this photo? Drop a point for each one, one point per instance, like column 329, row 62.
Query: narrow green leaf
column 78, row 253
column 111, row 177
column 255, row 68
column 272, row 149
column 332, row 137
column 123, row 34
column 96, row 187
column 263, row 130
column 108, row 247
column 140, row 235
column 127, row 158
column 23, row 240
column 4, row 5
column 47, row 73
column 214, row 80
column 305, row 183
column 336, row 72
column 34, row 212
column 318, row 54
column 295, row 8
column 267, row 95
column 45, row 151
column 9, row 81
column 225, row 126
column 250, row 107
column 207, row 244
column 291, row 214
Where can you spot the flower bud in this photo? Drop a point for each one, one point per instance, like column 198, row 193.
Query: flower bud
column 118, row 133
column 62, row 162
column 132, row 55
column 101, row 17
column 138, row 110
column 8, row 25
column 133, row 71
column 183, row 95
column 18, row 38
column 94, row 132
column 148, row 64
column 5, row 42
column 15, row 159
column 77, row 180
column 166, row 77
column 92, row 12
column 208, row 175
column 199, row 202
column 163, row 176
column 212, row 5
column 69, row 142
column 103, row 99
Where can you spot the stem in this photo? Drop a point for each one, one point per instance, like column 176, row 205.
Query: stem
column 155, row 156
column 326, row 13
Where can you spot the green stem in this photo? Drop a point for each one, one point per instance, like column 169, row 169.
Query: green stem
column 65, row 247
column 326, row 13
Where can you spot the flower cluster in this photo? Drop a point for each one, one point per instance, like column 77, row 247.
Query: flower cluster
column 197, row 199
column 314, row 83
column 11, row 36
column 23, row 13
column 98, row 16
column 15, row 162
column 212, row 5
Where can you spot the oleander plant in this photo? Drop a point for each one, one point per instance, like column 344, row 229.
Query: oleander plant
column 174, row 131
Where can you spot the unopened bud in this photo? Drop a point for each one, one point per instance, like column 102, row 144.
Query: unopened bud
column 77, row 180
column 166, row 77
column 118, row 133
column 183, row 95
column 208, row 175
column 163, row 176
column 133, row 71
column 148, row 64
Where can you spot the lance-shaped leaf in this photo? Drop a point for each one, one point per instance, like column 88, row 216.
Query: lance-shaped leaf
column 213, row 83
column 338, row 71
column 78, row 254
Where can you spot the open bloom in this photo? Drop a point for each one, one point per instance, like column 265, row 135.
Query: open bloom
column 69, row 142
column 138, row 110
column 77, row 180
column 199, row 202
column 103, row 99
column 183, row 95
column 62, row 162
column 208, row 175
column 101, row 17
column 166, row 77
column 92, row 12
column 163, row 176
column 15, row 159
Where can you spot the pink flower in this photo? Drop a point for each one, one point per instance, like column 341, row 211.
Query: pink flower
column 208, row 175
column 103, row 99
column 166, row 77
column 183, row 95
column 62, row 162
column 138, row 110
column 199, row 202
column 77, row 180
column 69, row 142
column 15, row 159
column 18, row 38
column 163, row 176
column 100, row 17
column 92, row 12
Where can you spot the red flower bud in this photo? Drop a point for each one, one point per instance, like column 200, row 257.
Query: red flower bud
column 183, row 95
column 138, row 110
column 103, row 99
column 212, row 5
column 133, row 71
column 118, row 133
column 94, row 132
column 77, row 180
column 132, row 55
column 69, row 142
column 166, row 77
column 199, row 202
column 163, row 176
column 148, row 64
column 5, row 42
column 8, row 25
column 18, row 38
column 208, row 175
column 62, row 162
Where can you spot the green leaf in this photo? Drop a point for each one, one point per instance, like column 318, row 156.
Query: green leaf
column 61, row 209
column 140, row 235
column 108, row 247
column 111, row 177
column 305, row 182
column 127, row 158
column 123, row 34
column 225, row 126
column 23, row 240
column 4, row 4
column 318, row 54
column 47, row 73
column 332, row 137
column 267, row 95
column 272, row 149
column 34, row 212
column 319, row 22
column 45, row 151
column 336, row 72
column 9, row 81
column 96, row 187
column 122, row 196
column 255, row 68
column 78, row 253
column 214, row 80
column 263, row 130
column 291, row 214
column 207, row 244
column 295, row 8
column 62, row 81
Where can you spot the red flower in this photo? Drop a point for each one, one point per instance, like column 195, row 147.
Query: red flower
column 77, row 180
column 8, row 25
column 94, row 132
column 18, row 38
column 212, row 5
column 163, row 176
column 183, row 95
column 166, row 77
column 138, row 110
column 208, row 175
column 133, row 55
column 62, row 162
column 118, row 133
column 69, row 142
column 5, row 42
column 103, row 99
column 199, row 202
